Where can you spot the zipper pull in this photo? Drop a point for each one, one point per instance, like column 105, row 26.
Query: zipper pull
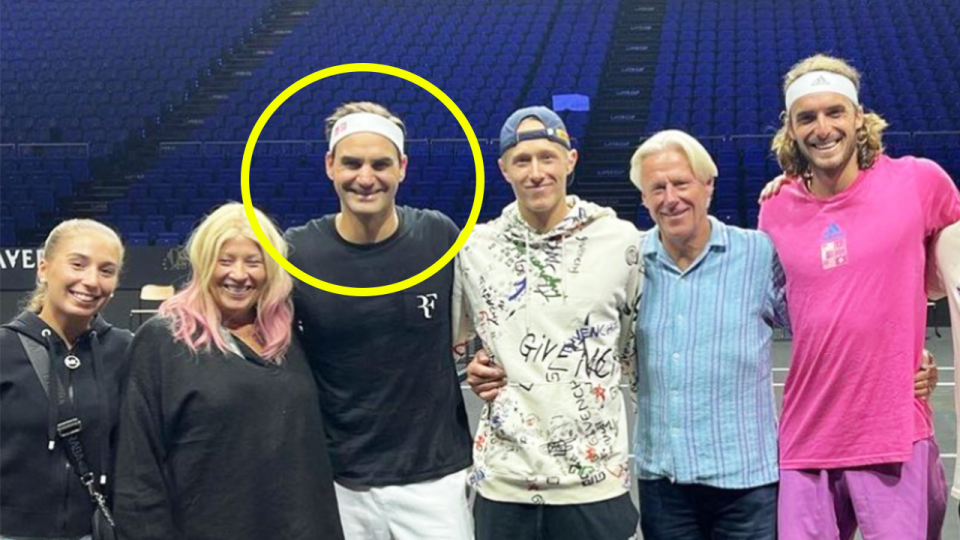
column 50, row 445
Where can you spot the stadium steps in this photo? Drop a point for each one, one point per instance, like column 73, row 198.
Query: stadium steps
column 619, row 116
column 542, row 49
column 201, row 97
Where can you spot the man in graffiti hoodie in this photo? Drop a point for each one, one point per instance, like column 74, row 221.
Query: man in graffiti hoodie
column 550, row 288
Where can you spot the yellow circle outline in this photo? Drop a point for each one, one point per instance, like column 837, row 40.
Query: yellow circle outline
column 353, row 68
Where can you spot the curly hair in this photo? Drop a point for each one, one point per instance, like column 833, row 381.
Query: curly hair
column 868, row 136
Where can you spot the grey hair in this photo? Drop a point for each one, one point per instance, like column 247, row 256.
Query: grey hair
column 697, row 156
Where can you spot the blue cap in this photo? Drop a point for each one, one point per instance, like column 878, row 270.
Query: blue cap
column 554, row 129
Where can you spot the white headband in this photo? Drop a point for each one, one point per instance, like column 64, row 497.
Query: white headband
column 821, row 81
column 366, row 123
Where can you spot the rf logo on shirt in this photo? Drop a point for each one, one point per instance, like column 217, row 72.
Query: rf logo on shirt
column 428, row 303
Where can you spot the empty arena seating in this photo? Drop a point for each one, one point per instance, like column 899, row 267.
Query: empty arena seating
column 719, row 76
column 93, row 72
column 32, row 187
column 288, row 181
column 482, row 56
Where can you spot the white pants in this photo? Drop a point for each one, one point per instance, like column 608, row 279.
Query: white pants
column 431, row 510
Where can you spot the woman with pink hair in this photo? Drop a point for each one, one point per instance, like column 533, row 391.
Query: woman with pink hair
column 220, row 431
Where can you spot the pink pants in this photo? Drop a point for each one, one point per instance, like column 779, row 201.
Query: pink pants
column 891, row 501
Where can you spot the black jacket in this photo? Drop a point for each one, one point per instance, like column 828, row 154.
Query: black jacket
column 216, row 446
column 40, row 495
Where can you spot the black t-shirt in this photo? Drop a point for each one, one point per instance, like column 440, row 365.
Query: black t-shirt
column 392, row 405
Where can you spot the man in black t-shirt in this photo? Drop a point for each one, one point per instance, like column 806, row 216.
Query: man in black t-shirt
column 394, row 414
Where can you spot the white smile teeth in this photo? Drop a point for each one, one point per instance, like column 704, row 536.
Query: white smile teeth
column 236, row 289
column 826, row 146
column 83, row 296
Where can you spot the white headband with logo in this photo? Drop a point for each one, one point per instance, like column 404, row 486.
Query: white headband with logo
column 366, row 123
column 821, row 81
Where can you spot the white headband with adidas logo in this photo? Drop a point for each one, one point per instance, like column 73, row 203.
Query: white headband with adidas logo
column 364, row 122
column 821, row 81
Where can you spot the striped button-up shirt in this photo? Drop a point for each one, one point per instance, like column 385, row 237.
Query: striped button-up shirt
column 705, row 393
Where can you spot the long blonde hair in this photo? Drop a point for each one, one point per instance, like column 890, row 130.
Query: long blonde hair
column 868, row 136
column 193, row 312
column 60, row 234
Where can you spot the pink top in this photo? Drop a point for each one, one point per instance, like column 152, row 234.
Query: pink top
column 855, row 289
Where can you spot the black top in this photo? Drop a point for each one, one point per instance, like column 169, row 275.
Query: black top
column 215, row 446
column 39, row 495
column 391, row 400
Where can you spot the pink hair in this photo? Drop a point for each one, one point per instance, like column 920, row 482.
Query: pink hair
column 193, row 313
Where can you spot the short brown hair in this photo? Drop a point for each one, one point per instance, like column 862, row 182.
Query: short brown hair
column 361, row 107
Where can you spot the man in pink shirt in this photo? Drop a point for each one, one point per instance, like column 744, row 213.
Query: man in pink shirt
column 856, row 446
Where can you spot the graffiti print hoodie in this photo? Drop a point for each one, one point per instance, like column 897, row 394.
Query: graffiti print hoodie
column 556, row 311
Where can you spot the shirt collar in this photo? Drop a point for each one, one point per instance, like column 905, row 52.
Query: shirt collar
column 719, row 238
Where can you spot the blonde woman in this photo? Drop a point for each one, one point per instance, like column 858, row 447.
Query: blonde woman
column 221, row 434
column 78, row 356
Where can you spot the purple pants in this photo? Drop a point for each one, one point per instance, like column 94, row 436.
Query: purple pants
column 891, row 501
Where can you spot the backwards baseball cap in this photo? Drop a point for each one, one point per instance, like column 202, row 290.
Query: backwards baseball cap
column 554, row 129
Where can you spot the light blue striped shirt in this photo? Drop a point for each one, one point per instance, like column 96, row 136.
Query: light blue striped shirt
column 705, row 395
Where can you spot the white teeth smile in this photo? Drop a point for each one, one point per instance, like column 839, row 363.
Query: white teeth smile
column 83, row 297
column 237, row 289
column 826, row 146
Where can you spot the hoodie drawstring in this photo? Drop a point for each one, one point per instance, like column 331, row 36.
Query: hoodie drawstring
column 104, row 428
column 53, row 387
column 528, row 277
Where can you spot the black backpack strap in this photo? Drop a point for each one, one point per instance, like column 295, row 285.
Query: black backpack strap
column 40, row 360
column 69, row 429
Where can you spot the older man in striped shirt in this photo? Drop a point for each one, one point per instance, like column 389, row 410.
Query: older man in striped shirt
column 706, row 440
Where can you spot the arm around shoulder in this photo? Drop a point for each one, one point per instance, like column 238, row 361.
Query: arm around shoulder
column 939, row 197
